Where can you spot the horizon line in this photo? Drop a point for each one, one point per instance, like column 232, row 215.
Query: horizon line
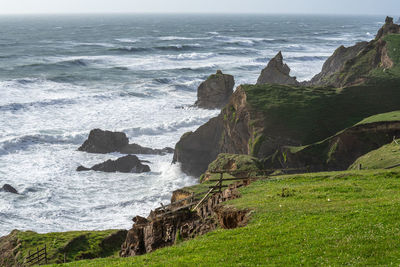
column 188, row 13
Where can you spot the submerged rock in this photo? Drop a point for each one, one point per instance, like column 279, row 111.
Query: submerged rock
column 8, row 188
column 277, row 72
column 103, row 142
column 127, row 164
column 215, row 91
column 138, row 149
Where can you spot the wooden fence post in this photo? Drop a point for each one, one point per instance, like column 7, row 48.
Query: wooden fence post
column 220, row 181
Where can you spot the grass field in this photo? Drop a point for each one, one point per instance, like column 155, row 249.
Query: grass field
column 335, row 219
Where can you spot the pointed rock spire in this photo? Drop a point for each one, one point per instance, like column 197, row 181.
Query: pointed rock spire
column 277, row 72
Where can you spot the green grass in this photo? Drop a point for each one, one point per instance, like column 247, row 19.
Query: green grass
column 384, row 157
column 86, row 244
column 389, row 116
column 328, row 219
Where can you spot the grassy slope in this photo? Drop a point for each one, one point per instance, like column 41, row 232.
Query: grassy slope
column 55, row 242
column 389, row 116
column 311, row 114
column 339, row 218
column 384, row 157
column 383, row 117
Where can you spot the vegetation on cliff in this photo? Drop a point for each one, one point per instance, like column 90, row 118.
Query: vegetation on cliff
column 339, row 218
column 64, row 246
column 384, row 157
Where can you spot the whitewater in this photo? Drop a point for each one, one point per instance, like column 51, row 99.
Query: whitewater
column 61, row 76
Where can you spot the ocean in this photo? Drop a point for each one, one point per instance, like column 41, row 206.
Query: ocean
column 61, row 76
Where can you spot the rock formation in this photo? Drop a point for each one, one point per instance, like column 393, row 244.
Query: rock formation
column 127, row 164
column 336, row 62
column 277, row 72
column 195, row 150
column 137, row 149
column 103, row 142
column 215, row 91
column 388, row 28
column 162, row 229
column 8, row 188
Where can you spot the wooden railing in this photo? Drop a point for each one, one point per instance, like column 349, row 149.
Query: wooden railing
column 37, row 257
column 192, row 201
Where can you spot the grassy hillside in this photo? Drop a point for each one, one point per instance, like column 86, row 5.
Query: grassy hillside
column 311, row 114
column 384, row 157
column 389, row 116
column 74, row 245
column 338, row 218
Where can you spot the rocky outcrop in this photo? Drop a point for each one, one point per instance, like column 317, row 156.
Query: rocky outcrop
column 103, row 142
column 343, row 69
column 162, row 229
column 8, row 188
column 337, row 152
column 127, row 164
column 388, row 28
column 8, row 249
column 215, row 91
column 277, row 72
column 336, row 62
column 195, row 150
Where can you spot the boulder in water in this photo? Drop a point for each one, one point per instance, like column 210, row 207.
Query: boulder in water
column 277, row 72
column 10, row 189
column 127, row 164
column 103, row 142
column 215, row 91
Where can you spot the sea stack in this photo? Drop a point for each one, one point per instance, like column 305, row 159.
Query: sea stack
column 214, row 92
column 277, row 72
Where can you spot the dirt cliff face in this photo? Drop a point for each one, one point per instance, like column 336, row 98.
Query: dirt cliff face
column 165, row 229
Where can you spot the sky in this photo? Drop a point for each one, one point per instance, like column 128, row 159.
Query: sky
column 345, row 7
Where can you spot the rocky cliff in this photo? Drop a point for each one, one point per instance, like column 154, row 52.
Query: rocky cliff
column 260, row 119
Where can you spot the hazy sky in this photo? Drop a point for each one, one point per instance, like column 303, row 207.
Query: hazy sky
column 378, row 7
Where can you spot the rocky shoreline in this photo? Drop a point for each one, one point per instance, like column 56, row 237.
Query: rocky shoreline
column 252, row 133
